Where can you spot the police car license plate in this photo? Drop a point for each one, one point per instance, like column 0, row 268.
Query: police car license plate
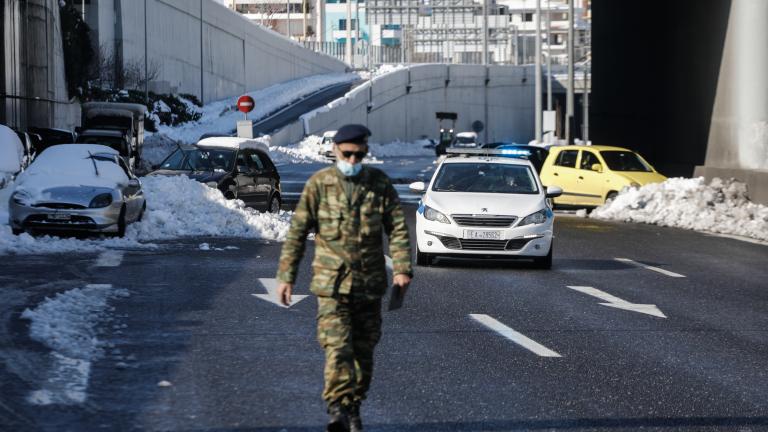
column 482, row 235
column 59, row 217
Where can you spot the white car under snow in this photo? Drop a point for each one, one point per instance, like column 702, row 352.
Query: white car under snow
column 479, row 205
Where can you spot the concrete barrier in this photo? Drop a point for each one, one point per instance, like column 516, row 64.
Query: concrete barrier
column 401, row 105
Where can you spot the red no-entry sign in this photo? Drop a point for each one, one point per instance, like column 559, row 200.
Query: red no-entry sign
column 245, row 104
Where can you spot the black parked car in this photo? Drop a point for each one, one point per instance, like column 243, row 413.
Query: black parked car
column 240, row 168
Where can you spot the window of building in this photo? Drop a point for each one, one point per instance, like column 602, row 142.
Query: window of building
column 343, row 24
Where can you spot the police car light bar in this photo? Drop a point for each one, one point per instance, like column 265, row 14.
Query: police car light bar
column 489, row 152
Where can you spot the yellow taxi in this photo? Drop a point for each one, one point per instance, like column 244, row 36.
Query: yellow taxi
column 591, row 175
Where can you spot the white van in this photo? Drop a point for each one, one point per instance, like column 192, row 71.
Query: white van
column 326, row 145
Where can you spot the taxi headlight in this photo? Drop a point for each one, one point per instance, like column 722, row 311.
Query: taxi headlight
column 434, row 215
column 536, row 218
column 634, row 184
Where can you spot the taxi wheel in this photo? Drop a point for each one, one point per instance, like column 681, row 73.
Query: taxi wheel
column 423, row 259
column 611, row 196
column 545, row 262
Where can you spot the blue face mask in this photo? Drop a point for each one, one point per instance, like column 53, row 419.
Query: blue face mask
column 349, row 169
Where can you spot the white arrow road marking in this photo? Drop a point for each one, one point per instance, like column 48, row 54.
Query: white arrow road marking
column 110, row 259
column 518, row 338
column 271, row 296
column 618, row 303
column 652, row 268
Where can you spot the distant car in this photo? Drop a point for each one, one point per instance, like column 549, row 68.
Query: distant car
column 76, row 187
column 537, row 155
column 239, row 167
column 12, row 155
column 479, row 205
column 326, row 145
column 465, row 140
column 591, row 175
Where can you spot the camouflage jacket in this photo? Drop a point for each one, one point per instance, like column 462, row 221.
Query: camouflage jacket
column 349, row 250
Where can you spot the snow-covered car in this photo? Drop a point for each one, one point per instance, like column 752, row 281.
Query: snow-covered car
column 11, row 155
column 465, row 140
column 239, row 167
column 76, row 187
column 326, row 145
column 480, row 204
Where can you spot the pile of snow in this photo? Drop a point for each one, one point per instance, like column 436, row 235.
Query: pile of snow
column 304, row 151
column 176, row 207
column 722, row 206
column 68, row 325
column 221, row 117
column 382, row 70
column 11, row 154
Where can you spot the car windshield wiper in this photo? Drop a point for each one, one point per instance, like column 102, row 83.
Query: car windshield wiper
column 95, row 157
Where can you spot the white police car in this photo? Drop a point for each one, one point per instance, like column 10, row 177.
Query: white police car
column 480, row 204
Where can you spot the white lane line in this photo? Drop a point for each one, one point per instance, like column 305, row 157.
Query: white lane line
column 110, row 259
column 615, row 302
column 652, row 268
column 518, row 338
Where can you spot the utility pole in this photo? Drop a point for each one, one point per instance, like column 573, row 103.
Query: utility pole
column 146, row 57
column 485, row 32
column 549, row 56
column 350, row 60
column 304, row 19
column 537, row 72
column 571, row 59
column 288, row 11
column 320, row 30
column 585, row 100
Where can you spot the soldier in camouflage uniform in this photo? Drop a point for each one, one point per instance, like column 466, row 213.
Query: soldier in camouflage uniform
column 349, row 207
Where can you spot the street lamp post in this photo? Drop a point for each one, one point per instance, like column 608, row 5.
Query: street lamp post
column 537, row 72
column 571, row 59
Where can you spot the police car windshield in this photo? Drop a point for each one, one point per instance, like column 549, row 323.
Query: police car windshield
column 483, row 177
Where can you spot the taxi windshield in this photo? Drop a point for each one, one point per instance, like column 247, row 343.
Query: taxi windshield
column 485, row 178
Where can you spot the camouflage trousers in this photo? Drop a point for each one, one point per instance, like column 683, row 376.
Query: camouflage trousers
column 348, row 330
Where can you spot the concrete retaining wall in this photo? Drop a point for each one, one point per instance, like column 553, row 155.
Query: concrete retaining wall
column 403, row 103
column 217, row 56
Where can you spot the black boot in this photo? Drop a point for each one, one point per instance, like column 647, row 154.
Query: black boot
column 355, row 422
column 339, row 418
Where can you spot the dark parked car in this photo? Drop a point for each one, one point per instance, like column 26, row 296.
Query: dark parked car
column 51, row 137
column 240, row 168
column 537, row 155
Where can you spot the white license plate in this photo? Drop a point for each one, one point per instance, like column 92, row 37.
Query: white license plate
column 59, row 217
column 482, row 235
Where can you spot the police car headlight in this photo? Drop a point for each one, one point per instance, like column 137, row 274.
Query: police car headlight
column 434, row 215
column 536, row 218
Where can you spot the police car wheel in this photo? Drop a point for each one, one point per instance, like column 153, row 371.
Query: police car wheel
column 423, row 259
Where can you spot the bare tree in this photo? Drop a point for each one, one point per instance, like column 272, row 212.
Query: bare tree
column 104, row 74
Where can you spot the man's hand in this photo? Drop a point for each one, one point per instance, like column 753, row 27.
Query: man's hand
column 402, row 280
column 284, row 293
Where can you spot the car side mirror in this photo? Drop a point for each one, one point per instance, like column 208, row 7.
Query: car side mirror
column 417, row 186
column 597, row 168
column 134, row 183
column 554, row 191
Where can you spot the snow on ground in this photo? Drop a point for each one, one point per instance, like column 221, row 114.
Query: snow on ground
column 722, row 206
column 306, row 151
column 68, row 324
column 221, row 116
column 176, row 207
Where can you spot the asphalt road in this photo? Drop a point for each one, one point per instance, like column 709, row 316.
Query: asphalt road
column 237, row 362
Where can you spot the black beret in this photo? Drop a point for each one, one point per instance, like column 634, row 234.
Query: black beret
column 352, row 133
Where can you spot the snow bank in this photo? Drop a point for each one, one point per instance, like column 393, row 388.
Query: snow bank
column 722, row 206
column 176, row 207
column 68, row 325
column 305, row 151
column 221, row 117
